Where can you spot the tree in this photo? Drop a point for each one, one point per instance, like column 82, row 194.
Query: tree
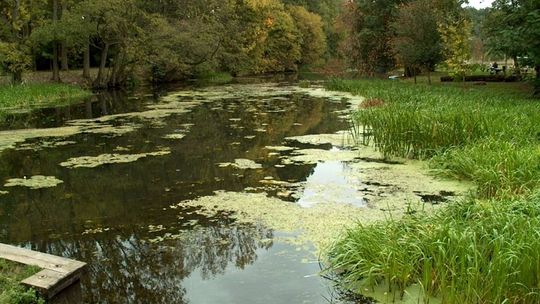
column 369, row 38
column 14, row 47
column 456, row 38
column 513, row 28
column 313, row 39
column 417, row 42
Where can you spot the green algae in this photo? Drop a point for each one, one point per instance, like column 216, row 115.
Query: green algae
column 103, row 159
column 174, row 136
column 34, row 182
column 241, row 163
column 319, row 225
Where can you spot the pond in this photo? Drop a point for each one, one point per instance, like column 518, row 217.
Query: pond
column 219, row 194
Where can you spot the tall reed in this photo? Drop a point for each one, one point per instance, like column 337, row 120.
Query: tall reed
column 469, row 253
column 489, row 136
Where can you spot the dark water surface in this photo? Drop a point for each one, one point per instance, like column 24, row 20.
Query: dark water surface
column 110, row 216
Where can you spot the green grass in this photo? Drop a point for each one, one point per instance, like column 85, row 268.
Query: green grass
column 471, row 252
column 26, row 97
column 483, row 250
column 11, row 292
column 489, row 135
column 215, row 77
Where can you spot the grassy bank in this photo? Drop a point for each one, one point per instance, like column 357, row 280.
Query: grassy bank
column 484, row 250
column 485, row 134
column 26, row 97
column 11, row 292
column 469, row 253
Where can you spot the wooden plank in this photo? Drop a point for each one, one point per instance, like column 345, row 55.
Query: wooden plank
column 48, row 283
column 57, row 272
column 39, row 259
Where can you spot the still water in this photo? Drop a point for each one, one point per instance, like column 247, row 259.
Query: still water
column 114, row 213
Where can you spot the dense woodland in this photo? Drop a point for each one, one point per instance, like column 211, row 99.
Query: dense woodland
column 169, row 40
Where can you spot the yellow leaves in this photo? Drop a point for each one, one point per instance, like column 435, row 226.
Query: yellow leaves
column 269, row 22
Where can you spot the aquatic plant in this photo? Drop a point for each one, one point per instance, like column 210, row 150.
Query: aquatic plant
column 463, row 128
column 472, row 252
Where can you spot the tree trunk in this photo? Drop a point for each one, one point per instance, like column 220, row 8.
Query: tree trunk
column 517, row 69
column 429, row 76
column 56, row 73
column 86, row 62
column 100, row 81
column 64, row 52
column 64, row 57
column 17, row 77
column 537, row 81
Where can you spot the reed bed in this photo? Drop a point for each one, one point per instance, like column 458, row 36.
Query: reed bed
column 469, row 253
column 487, row 135
column 485, row 249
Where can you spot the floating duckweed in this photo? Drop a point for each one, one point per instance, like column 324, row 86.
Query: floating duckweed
column 35, row 182
column 95, row 161
column 319, row 225
column 96, row 230
column 174, row 136
column 158, row 228
column 241, row 163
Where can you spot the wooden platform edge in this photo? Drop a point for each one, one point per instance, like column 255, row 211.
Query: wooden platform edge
column 57, row 274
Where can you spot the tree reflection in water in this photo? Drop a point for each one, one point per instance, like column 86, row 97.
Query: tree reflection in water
column 124, row 267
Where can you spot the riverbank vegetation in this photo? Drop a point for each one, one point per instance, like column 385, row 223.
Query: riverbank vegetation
column 471, row 252
column 31, row 96
column 485, row 134
column 11, row 292
column 131, row 40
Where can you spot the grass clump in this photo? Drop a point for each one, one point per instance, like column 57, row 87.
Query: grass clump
column 501, row 169
column 471, row 252
column 11, row 292
column 29, row 96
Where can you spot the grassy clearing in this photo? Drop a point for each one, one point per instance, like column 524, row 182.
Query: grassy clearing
column 469, row 253
column 10, row 290
column 25, row 97
column 468, row 131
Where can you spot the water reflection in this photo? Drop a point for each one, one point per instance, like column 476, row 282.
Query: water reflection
column 329, row 183
column 123, row 200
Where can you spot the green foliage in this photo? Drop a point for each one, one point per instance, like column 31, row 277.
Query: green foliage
column 499, row 168
column 14, row 51
column 470, row 252
column 417, row 41
column 313, row 39
column 368, row 44
column 24, row 97
column 513, row 29
column 11, row 292
column 456, row 38
column 487, row 136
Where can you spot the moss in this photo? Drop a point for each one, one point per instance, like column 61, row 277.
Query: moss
column 34, row 182
column 103, row 159
column 243, row 164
